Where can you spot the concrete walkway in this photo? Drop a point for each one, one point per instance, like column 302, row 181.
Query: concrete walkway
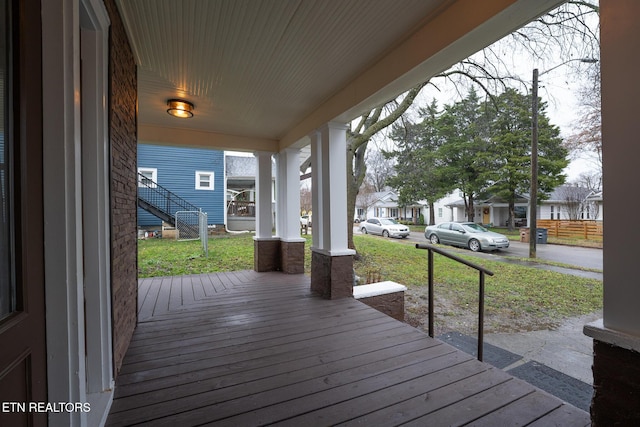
column 565, row 349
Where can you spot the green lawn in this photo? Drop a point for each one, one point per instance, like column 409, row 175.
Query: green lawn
column 165, row 257
column 517, row 297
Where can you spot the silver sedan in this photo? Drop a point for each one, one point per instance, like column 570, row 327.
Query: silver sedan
column 387, row 227
column 466, row 234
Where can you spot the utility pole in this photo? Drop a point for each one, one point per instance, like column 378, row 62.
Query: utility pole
column 533, row 192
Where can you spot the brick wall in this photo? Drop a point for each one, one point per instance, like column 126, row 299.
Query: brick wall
column 390, row 304
column 616, row 386
column 123, row 140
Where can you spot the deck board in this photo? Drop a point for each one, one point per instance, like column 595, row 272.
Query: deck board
column 247, row 348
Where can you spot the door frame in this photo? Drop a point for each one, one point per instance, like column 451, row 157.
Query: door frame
column 76, row 207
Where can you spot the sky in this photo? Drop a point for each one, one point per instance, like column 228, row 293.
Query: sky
column 559, row 86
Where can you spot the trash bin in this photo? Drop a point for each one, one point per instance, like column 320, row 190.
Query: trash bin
column 524, row 235
column 541, row 235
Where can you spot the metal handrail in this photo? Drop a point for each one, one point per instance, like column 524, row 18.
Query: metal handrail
column 161, row 198
column 482, row 271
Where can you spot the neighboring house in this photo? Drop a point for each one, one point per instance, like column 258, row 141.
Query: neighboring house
column 194, row 174
column 595, row 199
column 568, row 202
column 491, row 210
column 385, row 204
column 564, row 202
column 377, row 204
column 240, row 177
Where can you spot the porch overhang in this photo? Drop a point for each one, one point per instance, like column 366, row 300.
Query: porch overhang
column 298, row 64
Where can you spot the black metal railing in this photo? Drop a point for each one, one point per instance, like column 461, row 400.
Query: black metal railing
column 159, row 201
column 482, row 271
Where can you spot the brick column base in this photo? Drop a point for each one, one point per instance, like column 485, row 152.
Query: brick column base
column 292, row 256
column 266, row 255
column 616, row 384
column 332, row 276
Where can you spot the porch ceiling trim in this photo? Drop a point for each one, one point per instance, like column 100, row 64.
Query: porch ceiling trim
column 203, row 139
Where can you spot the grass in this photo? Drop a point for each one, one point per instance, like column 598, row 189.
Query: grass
column 164, row 257
column 515, row 294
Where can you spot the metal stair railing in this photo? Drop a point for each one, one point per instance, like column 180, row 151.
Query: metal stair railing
column 159, row 201
column 482, row 272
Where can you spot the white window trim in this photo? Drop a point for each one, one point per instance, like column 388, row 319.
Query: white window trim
column 211, row 181
column 154, row 175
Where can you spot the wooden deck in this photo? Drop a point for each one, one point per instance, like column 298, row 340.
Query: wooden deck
column 246, row 348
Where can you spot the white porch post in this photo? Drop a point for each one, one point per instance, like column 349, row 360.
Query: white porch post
column 332, row 260
column 288, row 211
column 266, row 247
column 617, row 336
column 316, row 191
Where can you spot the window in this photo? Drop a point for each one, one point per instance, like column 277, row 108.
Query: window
column 204, row 180
column 439, row 212
column 551, row 212
column 147, row 177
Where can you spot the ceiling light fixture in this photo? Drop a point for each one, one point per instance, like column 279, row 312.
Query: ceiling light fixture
column 180, row 108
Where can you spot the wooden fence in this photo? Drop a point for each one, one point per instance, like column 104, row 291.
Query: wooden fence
column 589, row 230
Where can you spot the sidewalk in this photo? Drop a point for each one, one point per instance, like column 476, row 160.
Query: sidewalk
column 557, row 361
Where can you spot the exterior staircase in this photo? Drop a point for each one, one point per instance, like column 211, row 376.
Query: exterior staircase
column 158, row 201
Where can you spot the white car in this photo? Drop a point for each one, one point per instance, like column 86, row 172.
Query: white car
column 387, row 227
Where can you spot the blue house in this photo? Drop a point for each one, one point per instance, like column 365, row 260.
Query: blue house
column 194, row 174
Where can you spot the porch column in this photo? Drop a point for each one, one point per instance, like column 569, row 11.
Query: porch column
column 266, row 247
column 616, row 364
column 288, row 211
column 331, row 260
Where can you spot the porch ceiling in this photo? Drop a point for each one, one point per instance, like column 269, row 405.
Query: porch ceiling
column 263, row 74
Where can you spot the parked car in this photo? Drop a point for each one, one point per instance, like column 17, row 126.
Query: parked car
column 466, row 234
column 387, row 227
column 305, row 220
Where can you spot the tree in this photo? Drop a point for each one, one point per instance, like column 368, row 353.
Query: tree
column 418, row 174
column 305, row 200
column 379, row 169
column 565, row 30
column 574, row 200
column 591, row 180
column 357, row 142
column 509, row 153
column 366, row 198
column 588, row 135
column 465, row 128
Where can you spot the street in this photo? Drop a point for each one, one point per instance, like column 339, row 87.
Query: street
column 571, row 255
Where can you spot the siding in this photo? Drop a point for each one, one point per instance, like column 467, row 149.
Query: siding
column 176, row 171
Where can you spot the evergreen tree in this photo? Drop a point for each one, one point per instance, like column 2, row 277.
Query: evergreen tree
column 418, row 173
column 509, row 152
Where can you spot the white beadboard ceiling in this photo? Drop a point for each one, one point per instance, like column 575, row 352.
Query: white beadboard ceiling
column 256, row 70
